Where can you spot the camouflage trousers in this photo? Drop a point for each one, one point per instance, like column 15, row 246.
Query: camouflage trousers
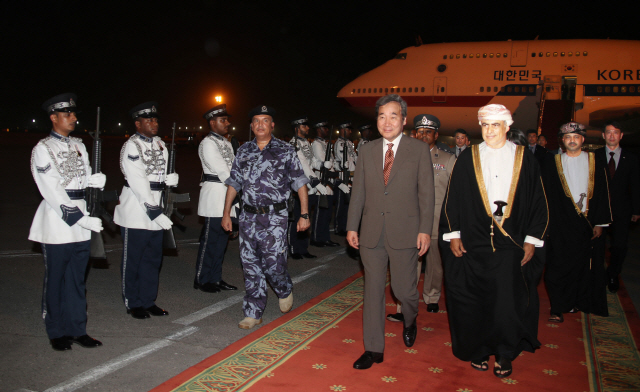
column 263, row 252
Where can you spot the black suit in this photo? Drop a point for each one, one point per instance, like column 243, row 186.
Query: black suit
column 624, row 190
column 540, row 153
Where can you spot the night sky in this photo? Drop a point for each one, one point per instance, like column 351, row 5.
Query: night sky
column 292, row 55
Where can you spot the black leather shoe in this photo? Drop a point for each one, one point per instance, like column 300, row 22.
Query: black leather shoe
column 331, row 243
column 308, row 256
column 225, row 286
column 341, row 233
column 61, row 344
column 296, row 256
column 367, row 359
column 613, row 285
column 207, row 287
column 138, row 313
column 433, row 308
column 234, row 235
column 317, row 244
column 85, row 341
column 395, row 317
column 409, row 334
column 156, row 311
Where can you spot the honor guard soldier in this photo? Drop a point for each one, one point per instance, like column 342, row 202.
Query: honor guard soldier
column 345, row 165
column 365, row 136
column 60, row 167
column 143, row 161
column 299, row 241
column 321, row 219
column 267, row 170
column 216, row 155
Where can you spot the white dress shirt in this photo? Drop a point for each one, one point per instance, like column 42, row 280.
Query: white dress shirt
column 395, row 142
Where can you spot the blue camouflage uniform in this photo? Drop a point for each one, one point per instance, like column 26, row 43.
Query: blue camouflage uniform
column 266, row 179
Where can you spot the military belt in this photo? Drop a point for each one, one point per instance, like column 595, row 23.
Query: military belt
column 75, row 194
column 155, row 186
column 211, row 178
column 265, row 209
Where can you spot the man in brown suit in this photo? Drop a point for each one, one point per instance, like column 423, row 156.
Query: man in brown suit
column 393, row 195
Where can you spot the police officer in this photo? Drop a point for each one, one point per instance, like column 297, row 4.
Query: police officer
column 320, row 236
column 365, row 134
column 299, row 241
column 216, row 155
column 60, row 167
column 267, row 170
column 143, row 161
column 344, row 166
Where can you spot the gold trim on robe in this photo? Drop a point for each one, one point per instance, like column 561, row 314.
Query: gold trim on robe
column 565, row 186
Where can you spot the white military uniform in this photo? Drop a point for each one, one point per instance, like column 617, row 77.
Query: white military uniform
column 362, row 143
column 143, row 162
column 216, row 155
column 351, row 153
column 310, row 164
column 59, row 164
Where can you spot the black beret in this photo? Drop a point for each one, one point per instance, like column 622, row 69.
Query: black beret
column 145, row 110
column 426, row 121
column 61, row 103
column 216, row 111
column 262, row 110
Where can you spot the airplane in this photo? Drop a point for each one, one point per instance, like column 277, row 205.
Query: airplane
column 590, row 81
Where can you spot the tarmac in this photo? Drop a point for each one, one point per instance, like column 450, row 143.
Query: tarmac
column 138, row 355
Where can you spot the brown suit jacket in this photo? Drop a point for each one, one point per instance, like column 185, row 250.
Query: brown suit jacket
column 404, row 207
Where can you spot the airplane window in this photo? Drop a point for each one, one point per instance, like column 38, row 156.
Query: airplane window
column 615, row 89
column 517, row 89
column 623, row 89
column 584, row 53
column 548, row 89
column 555, row 54
column 478, row 55
column 401, row 56
column 561, row 54
column 482, row 89
column 531, row 89
column 489, row 89
column 533, row 54
column 577, row 53
column 369, row 90
column 358, row 91
column 632, row 89
column 442, row 68
column 415, row 89
column 607, row 89
column 471, row 55
column 491, row 55
column 375, row 90
column 509, row 89
column 442, row 89
column 409, row 89
column 599, row 89
column 422, row 90
column 353, row 91
column 498, row 55
column 548, row 54
column 444, row 57
column 502, row 89
column 450, row 57
column 457, row 56
column 386, row 90
column 484, row 55
column 464, row 56
column 570, row 54
column 505, row 55
column 404, row 89
column 540, row 54
column 495, row 89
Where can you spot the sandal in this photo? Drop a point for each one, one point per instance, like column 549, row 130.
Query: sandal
column 556, row 318
column 481, row 364
column 502, row 367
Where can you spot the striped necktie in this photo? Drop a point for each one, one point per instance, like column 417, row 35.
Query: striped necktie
column 388, row 162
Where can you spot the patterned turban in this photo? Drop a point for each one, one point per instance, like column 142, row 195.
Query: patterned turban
column 572, row 127
column 495, row 112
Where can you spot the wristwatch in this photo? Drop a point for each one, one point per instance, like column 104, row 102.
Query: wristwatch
column 304, row 216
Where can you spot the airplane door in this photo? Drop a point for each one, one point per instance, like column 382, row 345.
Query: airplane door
column 440, row 89
column 519, row 50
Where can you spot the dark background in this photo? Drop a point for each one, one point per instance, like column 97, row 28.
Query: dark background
column 292, row 55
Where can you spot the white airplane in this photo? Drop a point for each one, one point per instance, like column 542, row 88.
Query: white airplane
column 593, row 80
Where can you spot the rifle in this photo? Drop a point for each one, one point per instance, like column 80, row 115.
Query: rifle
column 97, row 197
column 323, row 202
column 169, row 197
column 345, row 173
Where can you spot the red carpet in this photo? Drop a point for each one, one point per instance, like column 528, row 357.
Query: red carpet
column 314, row 347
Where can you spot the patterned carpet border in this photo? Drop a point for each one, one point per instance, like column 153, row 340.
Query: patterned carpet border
column 613, row 358
column 254, row 361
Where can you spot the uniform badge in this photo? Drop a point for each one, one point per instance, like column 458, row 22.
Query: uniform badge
column 424, row 121
column 153, row 109
column 438, row 166
column 133, row 158
column 43, row 170
column 264, row 109
column 71, row 103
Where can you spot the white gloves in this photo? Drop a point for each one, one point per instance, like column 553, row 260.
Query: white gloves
column 344, row 188
column 89, row 223
column 172, row 179
column 321, row 189
column 328, row 165
column 163, row 221
column 97, row 180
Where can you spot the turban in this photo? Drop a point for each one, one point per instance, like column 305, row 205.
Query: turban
column 572, row 127
column 495, row 112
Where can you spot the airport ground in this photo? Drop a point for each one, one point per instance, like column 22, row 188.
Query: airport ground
column 140, row 354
